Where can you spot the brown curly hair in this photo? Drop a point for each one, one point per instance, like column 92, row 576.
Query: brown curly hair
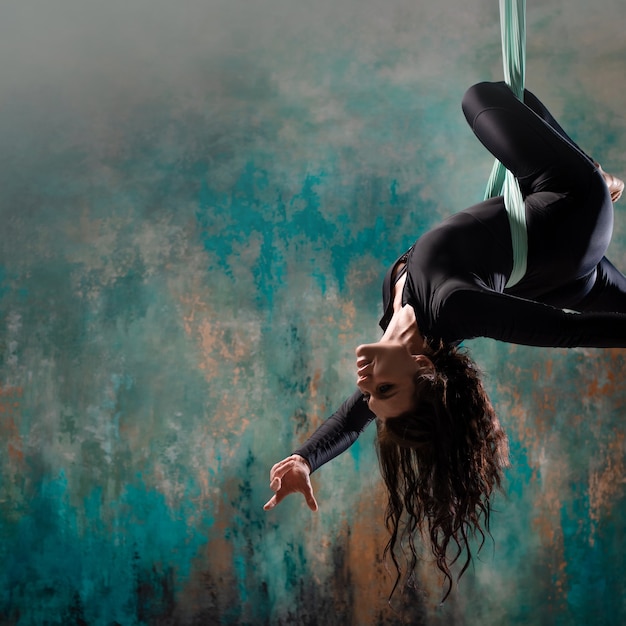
column 441, row 463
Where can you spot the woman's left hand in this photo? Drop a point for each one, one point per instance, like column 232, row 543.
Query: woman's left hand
column 291, row 475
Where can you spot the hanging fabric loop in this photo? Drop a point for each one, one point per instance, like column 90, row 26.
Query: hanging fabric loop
column 501, row 181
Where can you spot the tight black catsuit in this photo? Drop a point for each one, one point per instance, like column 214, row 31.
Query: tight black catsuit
column 571, row 295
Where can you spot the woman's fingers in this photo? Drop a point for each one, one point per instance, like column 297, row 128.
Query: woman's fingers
column 310, row 498
column 270, row 504
column 291, row 475
column 280, row 464
column 278, row 472
column 274, row 500
column 280, row 495
column 281, row 468
column 312, row 502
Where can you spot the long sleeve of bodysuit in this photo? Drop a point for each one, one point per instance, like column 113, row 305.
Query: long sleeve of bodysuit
column 470, row 313
column 337, row 433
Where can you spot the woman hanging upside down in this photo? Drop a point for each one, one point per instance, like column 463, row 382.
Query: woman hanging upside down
column 440, row 445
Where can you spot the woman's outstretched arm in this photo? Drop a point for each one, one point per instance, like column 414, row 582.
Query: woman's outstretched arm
column 338, row 432
column 334, row 436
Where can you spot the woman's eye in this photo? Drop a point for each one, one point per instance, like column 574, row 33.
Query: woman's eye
column 385, row 388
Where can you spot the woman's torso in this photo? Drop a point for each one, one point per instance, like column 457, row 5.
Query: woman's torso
column 472, row 249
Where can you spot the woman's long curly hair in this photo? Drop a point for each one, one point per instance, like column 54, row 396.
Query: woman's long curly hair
column 441, row 463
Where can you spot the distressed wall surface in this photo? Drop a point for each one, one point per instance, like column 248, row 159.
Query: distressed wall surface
column 199, row 201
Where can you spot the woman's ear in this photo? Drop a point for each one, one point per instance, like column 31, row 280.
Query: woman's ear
column 423, row 361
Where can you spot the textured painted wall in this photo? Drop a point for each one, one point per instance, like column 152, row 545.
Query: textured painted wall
column 199, row 201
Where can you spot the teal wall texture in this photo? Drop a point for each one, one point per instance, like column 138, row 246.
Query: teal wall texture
column 199, row 201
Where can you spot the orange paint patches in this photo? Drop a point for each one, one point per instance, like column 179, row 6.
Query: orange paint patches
column 617, row 353
column 317, row 410
column 561, row 582
column 225, row 352
column 372, row 578
column 220, row 342
column 346, row 321
column 11, row 393
column 341, row 319
column 595, row 388
column 15, row 453
column 548, row 526
column 608, row 371
column 536, row 426
column 607, row 483
column 565, row 413
column 314, row 384
column 206, row 489
column 211, row 340
column 9, row 418
column 514, row 411
column 231, row 424
column 365, row 544
column 212, row 578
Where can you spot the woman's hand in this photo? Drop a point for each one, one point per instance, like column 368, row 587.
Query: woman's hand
column 290, row 476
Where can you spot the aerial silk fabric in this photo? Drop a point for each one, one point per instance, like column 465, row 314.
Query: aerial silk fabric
column 501, row 181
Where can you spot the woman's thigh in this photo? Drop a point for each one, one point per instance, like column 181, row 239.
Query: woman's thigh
column 541, row 158
column 568, row 234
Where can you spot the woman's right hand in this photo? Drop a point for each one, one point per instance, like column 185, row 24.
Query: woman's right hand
column 291, row 475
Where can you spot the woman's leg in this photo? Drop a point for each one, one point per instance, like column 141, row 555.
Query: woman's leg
column 538, row 107
column 569, row 213
column 609, row 290
column 615, row 185
column 540, row 156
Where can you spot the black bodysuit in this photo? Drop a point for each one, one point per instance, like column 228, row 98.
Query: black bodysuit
column 571, row 295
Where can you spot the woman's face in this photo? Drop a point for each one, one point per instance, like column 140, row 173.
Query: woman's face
column 385, row 374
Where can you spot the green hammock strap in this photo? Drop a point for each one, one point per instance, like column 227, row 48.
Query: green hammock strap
column 501, row 181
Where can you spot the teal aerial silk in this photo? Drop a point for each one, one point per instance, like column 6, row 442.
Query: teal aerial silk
column 501, row 181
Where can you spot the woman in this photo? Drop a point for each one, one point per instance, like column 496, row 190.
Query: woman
column 440, row 445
